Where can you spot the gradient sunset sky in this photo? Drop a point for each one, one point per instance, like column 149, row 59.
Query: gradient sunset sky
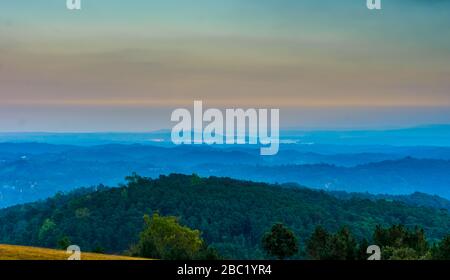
column 124, row 65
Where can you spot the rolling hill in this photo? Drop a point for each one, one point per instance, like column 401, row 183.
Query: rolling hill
column 232, row 215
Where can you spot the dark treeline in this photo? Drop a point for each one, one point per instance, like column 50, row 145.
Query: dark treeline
column 232, row 215
column 394, row 243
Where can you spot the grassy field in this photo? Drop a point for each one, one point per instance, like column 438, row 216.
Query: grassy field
column 10, row 252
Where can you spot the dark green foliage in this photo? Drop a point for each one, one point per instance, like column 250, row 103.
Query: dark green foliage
column 98, row 250
column 441, row 251
column 361, row 253
column 340, row 246
column 232, row 215
column 398, row 242
column 414, row 199
column 64, row 243
column 208, row 253
column 343, row 245
column 280, row 242
column 317, row 245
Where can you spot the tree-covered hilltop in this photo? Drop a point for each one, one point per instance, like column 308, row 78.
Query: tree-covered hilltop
column 232, row 215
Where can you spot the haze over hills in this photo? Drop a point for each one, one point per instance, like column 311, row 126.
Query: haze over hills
column 426, row 135
column 37, row 165
column 403, row 176
column 39, row 171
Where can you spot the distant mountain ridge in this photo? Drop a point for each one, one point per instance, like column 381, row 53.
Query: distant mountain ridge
column 404, row 176
column 31, row 171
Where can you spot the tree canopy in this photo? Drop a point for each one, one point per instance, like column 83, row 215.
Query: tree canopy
column 232, row 215
column 280, row 242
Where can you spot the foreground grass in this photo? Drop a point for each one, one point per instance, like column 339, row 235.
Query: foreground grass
column 12, row 252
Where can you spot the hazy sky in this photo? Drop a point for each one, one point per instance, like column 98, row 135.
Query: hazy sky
column 124, row 65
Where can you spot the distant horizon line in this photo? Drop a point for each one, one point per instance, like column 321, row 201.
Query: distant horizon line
column 286, row 129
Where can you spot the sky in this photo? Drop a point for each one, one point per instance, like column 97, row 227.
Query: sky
column 125, row 65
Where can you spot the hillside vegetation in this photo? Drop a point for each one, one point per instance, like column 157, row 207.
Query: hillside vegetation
column 232, row 215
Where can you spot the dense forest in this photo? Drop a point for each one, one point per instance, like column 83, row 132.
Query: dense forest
column 232, row 215
column 415, row 199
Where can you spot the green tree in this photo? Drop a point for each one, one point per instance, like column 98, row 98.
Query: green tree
column 47, row 227
column 280, row 242
column 361, row 253
column 98, row 249
column 442, row 250
column 404, row 253
column 398, row 242
column 340, row 246
column 48, row 233
column 418, row 241
column 208, row 253
column 164, row 238
column 195, row 179
column 63, row 243
column 343, row 246
column 317, row 244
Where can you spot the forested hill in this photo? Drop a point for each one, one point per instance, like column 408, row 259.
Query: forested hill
column 415, row 199
column 233, row 215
